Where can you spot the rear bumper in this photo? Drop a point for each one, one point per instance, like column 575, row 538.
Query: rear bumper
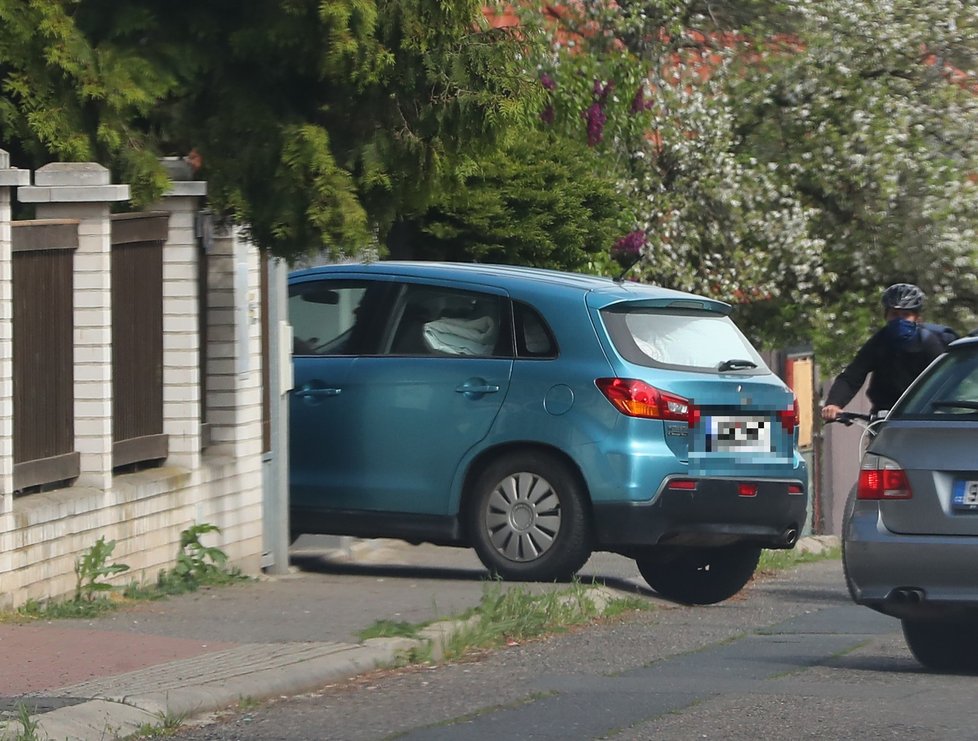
column 909, row 576
column 715, row 513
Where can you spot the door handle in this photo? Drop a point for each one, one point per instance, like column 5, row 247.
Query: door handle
column 314, row 393
column 476, row 387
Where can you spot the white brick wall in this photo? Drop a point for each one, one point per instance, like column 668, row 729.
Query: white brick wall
column 41, row 534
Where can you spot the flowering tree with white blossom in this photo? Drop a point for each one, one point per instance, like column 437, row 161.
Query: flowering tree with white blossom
column 791, row 157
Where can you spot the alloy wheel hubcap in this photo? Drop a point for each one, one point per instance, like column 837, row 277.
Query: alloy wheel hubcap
column 523, row 517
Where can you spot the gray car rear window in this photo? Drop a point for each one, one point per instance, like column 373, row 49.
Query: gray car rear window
column 949, row 389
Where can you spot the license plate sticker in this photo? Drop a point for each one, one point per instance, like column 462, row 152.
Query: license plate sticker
column 965, row 496
column 738, row 435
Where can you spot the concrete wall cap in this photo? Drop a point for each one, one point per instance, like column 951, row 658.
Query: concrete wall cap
column 14, row 176
column 186, row 188
column 75, row 194
column 72, row 174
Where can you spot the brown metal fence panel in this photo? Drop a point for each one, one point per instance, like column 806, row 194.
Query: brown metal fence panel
column 43, row 353
column 137, row 338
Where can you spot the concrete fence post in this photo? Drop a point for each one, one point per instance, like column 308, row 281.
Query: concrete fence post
column 181, row 315
column 83, row 191
column 9, row 177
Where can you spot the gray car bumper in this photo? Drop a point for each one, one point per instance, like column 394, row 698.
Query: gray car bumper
column 909, row 575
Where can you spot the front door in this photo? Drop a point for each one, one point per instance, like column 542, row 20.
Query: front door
column 384, row 429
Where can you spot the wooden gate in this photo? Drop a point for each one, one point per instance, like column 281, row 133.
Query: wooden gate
column 137, row 338
column 43, row 353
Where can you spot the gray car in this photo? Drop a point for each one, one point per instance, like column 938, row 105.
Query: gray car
column 910, row 535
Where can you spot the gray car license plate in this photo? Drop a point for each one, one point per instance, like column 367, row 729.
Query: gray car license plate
column 965, row 496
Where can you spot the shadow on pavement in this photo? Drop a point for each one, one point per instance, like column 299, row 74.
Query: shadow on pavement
column 317, row 563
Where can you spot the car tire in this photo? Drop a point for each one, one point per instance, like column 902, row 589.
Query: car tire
column 846, row 516
column 700, row 576
column 941, row 645
column 528, row 518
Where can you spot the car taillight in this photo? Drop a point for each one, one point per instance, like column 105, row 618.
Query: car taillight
column 881, row 478
column 638, row 399
column 789, row 417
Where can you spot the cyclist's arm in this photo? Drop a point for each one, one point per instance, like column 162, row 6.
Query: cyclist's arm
column 847, row 384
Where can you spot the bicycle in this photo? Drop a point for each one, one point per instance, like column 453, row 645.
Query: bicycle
column 870, row 424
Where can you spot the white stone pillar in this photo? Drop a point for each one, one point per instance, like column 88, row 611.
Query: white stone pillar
column 83, row 191
column 9, row 177
column 181, row 314
column 234, row 347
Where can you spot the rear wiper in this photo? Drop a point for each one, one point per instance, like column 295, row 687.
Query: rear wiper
column 955, row 404
column 735, row 364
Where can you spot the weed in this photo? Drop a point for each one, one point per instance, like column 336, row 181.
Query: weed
column 514, row 614
column 28, row 726
column 94, row 565
column 197, row 564
column 248, row 703
column 53, row 610
column 168, row 725
column 779, row 560
column 389, row 629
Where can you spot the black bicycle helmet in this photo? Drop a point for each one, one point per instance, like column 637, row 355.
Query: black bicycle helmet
column 904, row 296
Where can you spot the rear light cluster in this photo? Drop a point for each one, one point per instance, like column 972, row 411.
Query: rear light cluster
column 789, row 417
column 639, row 399
column 882, row 478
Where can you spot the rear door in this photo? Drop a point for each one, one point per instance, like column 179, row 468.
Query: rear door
column 932, row 433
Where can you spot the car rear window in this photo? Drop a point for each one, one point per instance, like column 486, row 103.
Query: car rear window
column 948, row 390
column 689, row 339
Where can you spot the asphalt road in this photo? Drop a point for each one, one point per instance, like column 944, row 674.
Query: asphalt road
column 790, row 657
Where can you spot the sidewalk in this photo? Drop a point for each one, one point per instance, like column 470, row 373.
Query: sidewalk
column 188, row 655
column 183, row 656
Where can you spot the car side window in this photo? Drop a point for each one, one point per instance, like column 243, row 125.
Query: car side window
column 432, row 320
column 533, row 337
column 327, row 317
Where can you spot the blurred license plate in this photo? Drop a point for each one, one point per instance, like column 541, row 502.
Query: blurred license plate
column 965, row 495
column 739, row 435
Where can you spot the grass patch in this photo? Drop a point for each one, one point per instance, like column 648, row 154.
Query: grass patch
column 509, row 615
column 512, row 615
column 389, row 629
column 28, row 730
column 169, row 725
column 773, row 561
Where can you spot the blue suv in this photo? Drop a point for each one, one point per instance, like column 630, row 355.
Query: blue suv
column 537, row 416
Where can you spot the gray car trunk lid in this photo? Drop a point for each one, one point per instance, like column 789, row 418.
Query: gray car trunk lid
column 934, row 455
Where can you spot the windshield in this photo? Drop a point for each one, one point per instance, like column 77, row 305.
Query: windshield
column 688, row 339
column 949, row 390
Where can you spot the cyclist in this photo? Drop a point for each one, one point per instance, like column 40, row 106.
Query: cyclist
column 895, row 355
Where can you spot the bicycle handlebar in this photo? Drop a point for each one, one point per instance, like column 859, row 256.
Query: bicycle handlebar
column 847, row 418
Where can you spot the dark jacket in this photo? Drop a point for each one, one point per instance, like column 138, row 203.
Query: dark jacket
column 893, row 368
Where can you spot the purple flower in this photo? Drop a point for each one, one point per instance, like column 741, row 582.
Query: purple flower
column 602, row 91
column 547, row 81
column 547, row 115
column 639, row 103
column 595, row 117
column 628, row 250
